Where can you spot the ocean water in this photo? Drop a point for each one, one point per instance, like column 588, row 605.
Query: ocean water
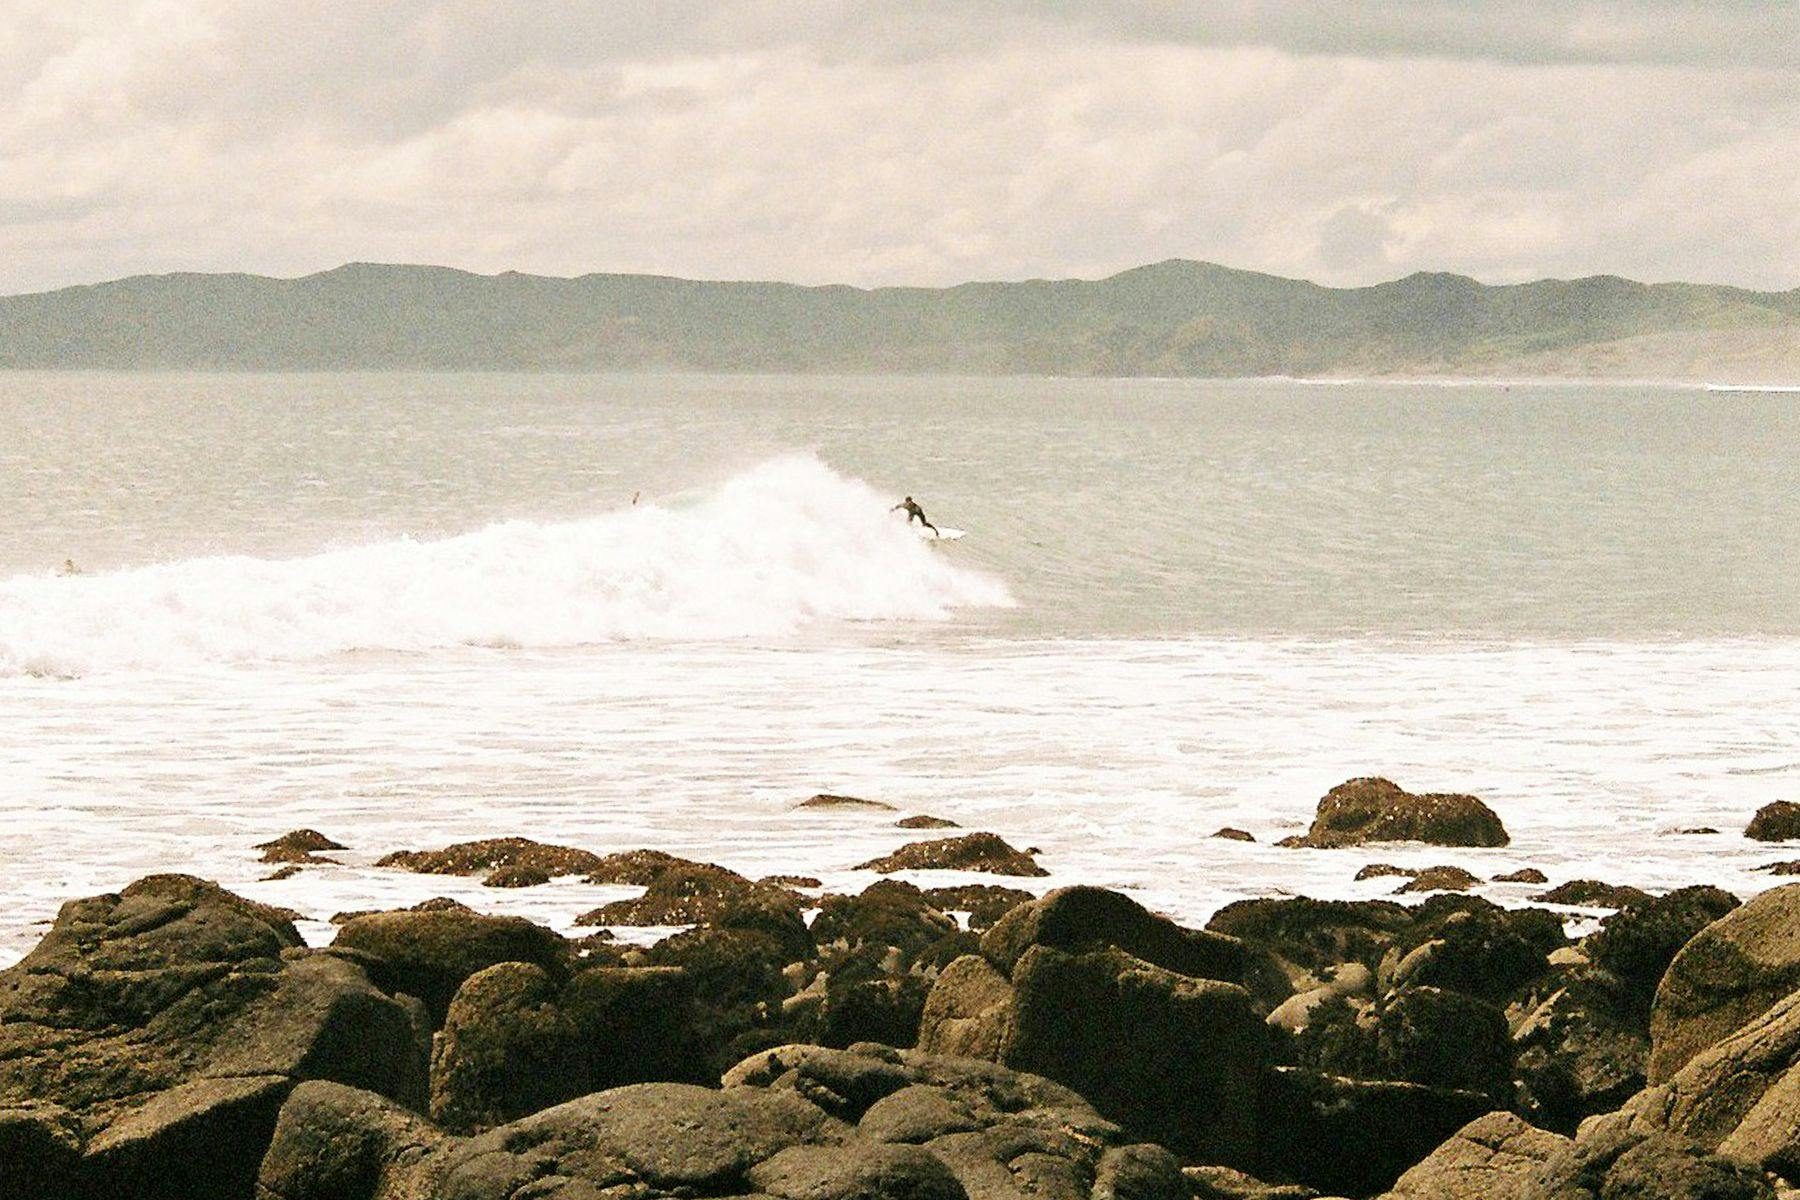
column 407, row 610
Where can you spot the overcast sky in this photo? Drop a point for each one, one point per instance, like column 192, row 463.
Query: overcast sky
column 902, row 142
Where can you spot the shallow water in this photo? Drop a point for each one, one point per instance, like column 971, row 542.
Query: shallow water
column 407, row 610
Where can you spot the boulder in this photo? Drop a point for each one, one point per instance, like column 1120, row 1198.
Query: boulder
column 926, row 821
column 1353, row 1137
column 889, row 912
column 1376, row 810
column 637, row 868
column 1523, row 875
column 1775, row 822
column 1234, row 835
column 1580, row 1046
column 1639, row 942
column 971, row 852
column 148, row 1040
column 1495, row 1157
column 1593, row 893
column 489, row 854
column 1726, row 976
column 1317, row 935
column 985, row 903
column 1614, row 1158
column 1469, row 945
column 687, row 894
column 1439, row 879
column 797, row 1122
column 1346, row 981
column 830, row 800
column 1088, row 918
column 1384, row 870
column 429, row 953
column 517, row 1040
column 516, row 877
column 790, row 882
column 1442, row 1039
column 298, row 846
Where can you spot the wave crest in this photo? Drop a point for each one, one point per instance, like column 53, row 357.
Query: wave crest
column 779, row 546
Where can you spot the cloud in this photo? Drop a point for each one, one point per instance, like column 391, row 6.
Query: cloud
column 871, row 144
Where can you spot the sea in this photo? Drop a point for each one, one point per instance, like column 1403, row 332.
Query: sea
column 660, row 611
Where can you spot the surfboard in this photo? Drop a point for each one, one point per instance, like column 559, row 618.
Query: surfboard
column 944, row 533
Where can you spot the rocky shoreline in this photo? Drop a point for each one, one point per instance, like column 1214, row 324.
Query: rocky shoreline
column 978, row 1040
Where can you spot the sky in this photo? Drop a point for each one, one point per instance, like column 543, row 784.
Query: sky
column 891, row 142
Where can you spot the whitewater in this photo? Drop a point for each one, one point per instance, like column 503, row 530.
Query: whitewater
column 412, row 610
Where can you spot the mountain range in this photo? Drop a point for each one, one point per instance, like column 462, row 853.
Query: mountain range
column 1174, row 318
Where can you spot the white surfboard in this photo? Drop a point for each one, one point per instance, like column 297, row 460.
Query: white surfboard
column 944, row 533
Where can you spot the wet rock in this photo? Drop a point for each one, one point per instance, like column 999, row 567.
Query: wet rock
column 1383, row 870
column 1224, row 1183
column 1079, row 919
column 517, row 1040
column 971, row 852
column 1472, row 946
column 1523, row 875
column 308, row 841
column 637, row 868
column 1443, row 1039
column 1439, row 879
column 1317, row 935
column 147, row 1041
column 925, row 821
column 1693, row 831
column 333, row 1142
column 1353, row 1137
column 430, row 953
column 889, row 912
column 1495, row 1157
column 985, row 903
column 1580, row 1046
column 287, row 872
column 1726, row 976
column 1235, row 835
column 516, row 877
column 687, row 894
column 1611, row 1160
column 435, row 904
column 1345, row 981
column 790, row 882
column 1592, row 893
column 829, row 800
column 1775, row 822
column 856, row 1172
column 1376, row 810
column 1788, row 866
column 1638, row 943
column 480, row 857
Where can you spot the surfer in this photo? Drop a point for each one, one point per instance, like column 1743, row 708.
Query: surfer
column 913, row 510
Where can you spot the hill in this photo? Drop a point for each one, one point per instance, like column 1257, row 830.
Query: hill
column 1171, row 318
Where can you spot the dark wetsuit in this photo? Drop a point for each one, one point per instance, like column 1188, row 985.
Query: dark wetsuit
column 913, row 510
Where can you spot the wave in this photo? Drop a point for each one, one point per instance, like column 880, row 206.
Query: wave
column 786, row 543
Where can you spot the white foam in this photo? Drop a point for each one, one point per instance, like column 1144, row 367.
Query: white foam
column 776, row 547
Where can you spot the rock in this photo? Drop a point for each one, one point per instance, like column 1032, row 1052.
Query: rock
column 1439, row 879
column 435, row 904
column 924, row 821
column 1523, row 875
column 516, row 877
column 1495, row 1157
column 148, row 1040
column 688, row 894
column 1235, row 835
column 1172, row 1057
column 1383, row 870
column 1344, row 981
column 1375, row 810
column 790, row 882
column 1775, row 822
column 985, row 903
column 308, row 841
column 1317, row 935
column 1726, row 976
column 290, row 854
column 1788, row 866
column 1639, row 942
column 1592, row 893
column 889, row 912
column 1580, row 1046
column 1694, row 831
column 797, row 1122
column 430, row 953
column 1611, row 1160
column 1353, row 1137
column 516, row 1040
column 476, row 858
column 1088, row 918
column 828, row 800
column 287, row 872
column 1471, row 946
column 1224, row 1183
column 970, row 852
column 1442, row 1039
column 638, row 868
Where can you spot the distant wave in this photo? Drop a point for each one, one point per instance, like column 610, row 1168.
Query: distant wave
column 783, row 544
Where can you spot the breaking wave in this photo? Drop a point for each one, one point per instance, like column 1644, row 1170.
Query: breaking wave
column 779, row 546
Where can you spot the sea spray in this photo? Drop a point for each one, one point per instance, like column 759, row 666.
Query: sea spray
column 784, row 544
